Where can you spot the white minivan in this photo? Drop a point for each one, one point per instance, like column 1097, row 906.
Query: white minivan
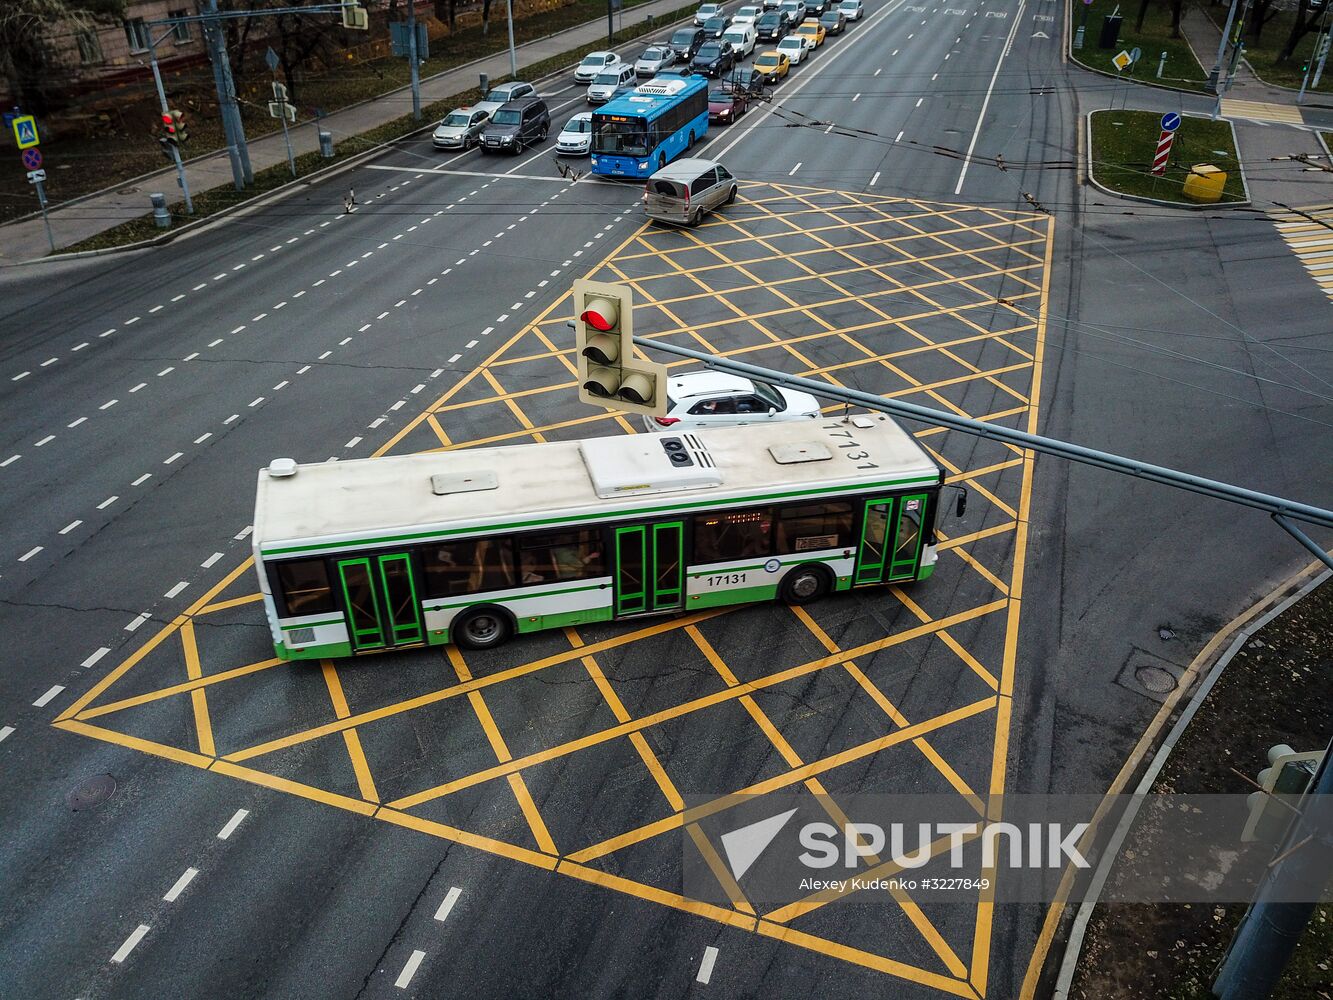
column 742, row 38
column 606, row 84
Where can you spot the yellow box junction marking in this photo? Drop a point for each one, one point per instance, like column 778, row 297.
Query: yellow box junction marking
column 943, row 303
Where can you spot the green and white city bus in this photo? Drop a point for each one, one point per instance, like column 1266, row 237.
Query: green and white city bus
column 472, row 546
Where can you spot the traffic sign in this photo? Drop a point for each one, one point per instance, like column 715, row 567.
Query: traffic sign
column 1170, row 121
column 1134, row 54
column 36, row 176
column 25, row 131
column 1121, row 60
column 32, row 158
column 1163, row 156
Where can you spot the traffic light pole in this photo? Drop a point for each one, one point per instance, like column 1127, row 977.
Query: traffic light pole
column 1285, row 512
column 166, row 113
column 412, row 58
column 1268, row 934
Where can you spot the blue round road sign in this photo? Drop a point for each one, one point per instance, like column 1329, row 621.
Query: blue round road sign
column 32, row 158
column 1170, row 121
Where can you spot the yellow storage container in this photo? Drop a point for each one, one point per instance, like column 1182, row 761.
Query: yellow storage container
column 1205, row 183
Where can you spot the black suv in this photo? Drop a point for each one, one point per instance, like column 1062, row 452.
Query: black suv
column 686, row 42
column 714, row 58
column 517, row 124
column 772, row 26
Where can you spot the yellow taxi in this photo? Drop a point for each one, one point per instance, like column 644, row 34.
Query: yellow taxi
column 773, row 65
column 812, row 30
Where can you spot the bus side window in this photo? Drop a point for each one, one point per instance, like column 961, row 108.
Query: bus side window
column 305, row 587
column 560, row 555
column 808, row 527
column 467, row 567
column 733, row 535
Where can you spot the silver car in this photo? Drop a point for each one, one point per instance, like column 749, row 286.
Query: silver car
column 714, row 399
column 655, row 58
column 460, row 129
column 685, row 191
column 611, row 82
column 499, row 96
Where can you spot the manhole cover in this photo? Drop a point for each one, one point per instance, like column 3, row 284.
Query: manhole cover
column 1155, row 679
column 91, row 793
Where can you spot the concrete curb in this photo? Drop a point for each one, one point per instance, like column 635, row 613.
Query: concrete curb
column 1188, row 207
column 167, row 173
column 1069, row 52
column 1074, row 945
column 243, row 208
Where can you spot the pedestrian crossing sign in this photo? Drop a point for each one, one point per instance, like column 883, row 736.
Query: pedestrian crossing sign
column 25, row 131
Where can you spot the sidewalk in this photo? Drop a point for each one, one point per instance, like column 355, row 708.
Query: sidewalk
column 26, row 240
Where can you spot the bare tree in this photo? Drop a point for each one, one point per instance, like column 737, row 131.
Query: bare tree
column 299, row 40
column 27, row 56
column 1306, row 21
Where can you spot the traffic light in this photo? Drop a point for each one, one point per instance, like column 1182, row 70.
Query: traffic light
column 611, row 372
column 356, row 18
column 179, row 126
column 169, row 129
column 1283, row 784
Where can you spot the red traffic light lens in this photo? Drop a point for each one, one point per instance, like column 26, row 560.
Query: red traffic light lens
column 601, row 314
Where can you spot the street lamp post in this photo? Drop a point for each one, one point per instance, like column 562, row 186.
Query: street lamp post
column 1216, row 72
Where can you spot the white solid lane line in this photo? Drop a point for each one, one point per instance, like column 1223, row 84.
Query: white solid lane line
column 450, row 898
column 981, row 118
column 180, row 885
column 123, row 952
column 233, row 823
column 706, row 966
column 409, row 970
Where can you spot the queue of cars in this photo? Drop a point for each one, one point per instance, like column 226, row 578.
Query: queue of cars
column 512, row 117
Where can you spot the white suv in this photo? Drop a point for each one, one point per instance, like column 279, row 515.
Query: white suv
column 714, row 399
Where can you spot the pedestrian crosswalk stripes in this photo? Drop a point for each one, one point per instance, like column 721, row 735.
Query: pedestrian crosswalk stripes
column 1309, row 233
column 1262, row 112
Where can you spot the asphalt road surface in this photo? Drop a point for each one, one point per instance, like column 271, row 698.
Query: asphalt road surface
column 143, row 391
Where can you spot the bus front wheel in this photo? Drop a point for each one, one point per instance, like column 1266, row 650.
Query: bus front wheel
column 804, row 585
column 482, row 628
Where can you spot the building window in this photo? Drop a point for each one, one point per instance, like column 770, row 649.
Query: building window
column 90, row 47
column 180, row 32
column 136, row 33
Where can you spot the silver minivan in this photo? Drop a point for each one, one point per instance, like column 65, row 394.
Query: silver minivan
column 685, row 191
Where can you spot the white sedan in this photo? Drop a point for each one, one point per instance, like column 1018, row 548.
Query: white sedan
column 575, row 138
column 747, row 15
column 714, row 399
column 794, row 47
column 851, row 9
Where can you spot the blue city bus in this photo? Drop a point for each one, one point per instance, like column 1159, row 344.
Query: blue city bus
column 642, row 131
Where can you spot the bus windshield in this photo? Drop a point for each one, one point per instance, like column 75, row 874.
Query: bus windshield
column 628, row 137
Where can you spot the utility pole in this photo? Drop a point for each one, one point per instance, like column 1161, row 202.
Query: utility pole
column 513, row 56
column 610, row 24
column 412, row 58
column 1214, row 75
column 1321, row 52
column 1268, row 934
column 166, row 115
column 242, row 173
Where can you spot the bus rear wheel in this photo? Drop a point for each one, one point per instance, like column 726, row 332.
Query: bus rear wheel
column 692, row 140
column 804, row 585
column 482, row 628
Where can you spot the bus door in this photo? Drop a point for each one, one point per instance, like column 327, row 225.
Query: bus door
column 891, row 539
column 380, row 595
column 650, row 568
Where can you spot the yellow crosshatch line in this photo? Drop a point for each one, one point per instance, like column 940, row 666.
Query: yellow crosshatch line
column 697, row 257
